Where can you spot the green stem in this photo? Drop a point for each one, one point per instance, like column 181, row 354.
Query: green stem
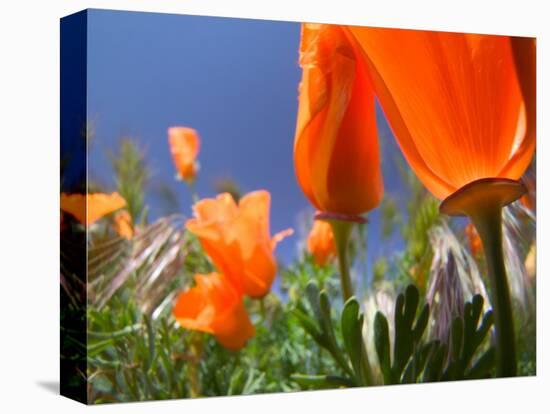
column 342, row 232
column 488, row 222
column 193, row 189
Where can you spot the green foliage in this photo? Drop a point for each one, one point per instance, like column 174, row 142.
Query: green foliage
column 131, row 178
column 266, row 364
column 73, row 346
column 351, row 359
column 134, row 358
column 408, row 334
column 526, row 343
column 131, row 357
column 380, row 269
column 299, row 274
column 417, row 360
column 390, row 217
column 466, row 338
column 320, row 326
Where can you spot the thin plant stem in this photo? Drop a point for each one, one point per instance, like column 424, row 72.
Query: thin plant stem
column 193, row 189
column 196, row 342
column 342, row 232
column 488, row 222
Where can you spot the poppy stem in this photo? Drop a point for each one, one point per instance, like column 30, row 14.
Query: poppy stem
column 342, row 232
column 193, row 189
column 482, row 200
column 196, row 345
column 488, row 222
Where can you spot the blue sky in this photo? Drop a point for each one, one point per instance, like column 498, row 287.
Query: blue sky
column 235, row 81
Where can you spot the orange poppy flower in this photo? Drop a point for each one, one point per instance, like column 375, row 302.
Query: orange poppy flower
column 320, row 242
column 98, row 205
column 215, row 307
column 474, row 240
column 525, row 58
column 454, row 103
column 529, row 200
column 184, row 146
column 336, row 153
column 123, row 224
column 237, row 239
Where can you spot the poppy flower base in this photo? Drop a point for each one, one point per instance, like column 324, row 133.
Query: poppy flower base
column 482, row 201
column 240, row 228
column 482, row 193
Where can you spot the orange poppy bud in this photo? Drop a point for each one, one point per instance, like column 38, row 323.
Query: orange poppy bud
column 474, row 241
column 237, row 239
column 123, row 224
column 184, row 146
column 98, row 205
column 336, row 153
column 215, row 307
column 454, row 103
column 320, row 242
column 529, row 200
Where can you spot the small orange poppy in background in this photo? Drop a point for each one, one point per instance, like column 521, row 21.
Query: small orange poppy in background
column 453, row 101
column 214, row 306
column 336, row 152
column 320, row 242
column 237, row 239
column 98, row 205
column 529, row 200
column 123, row 224
column 474, row 241
column 184, row 145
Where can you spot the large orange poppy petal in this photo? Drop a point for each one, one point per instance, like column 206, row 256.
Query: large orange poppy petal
column 75, row 205
column 336, row 154
column 213, row 306
column 524, row 51
column 234, row 329
column 255, row 206
column 259, row 271
column 328, row 73
column 456, row 112
column 322, row 132
column 91, row 207
column 100, row 205
column 354, row 181
column 237, row 239
column 123, row 224
column 219, row 209
column 227, row 259
column 434, row 183
column 192, row 310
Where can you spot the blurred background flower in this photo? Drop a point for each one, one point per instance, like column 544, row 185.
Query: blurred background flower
column 184, row 147
column 320, row 242
column 88, row 208
column 215, row 307
column 237, row 239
